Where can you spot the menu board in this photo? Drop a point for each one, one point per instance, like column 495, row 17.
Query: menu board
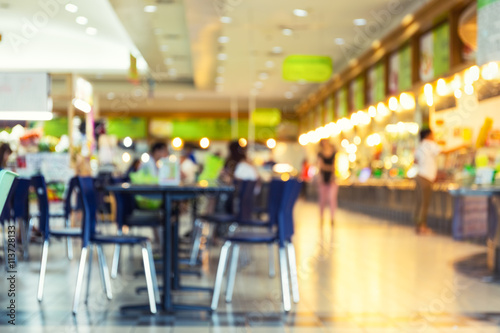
column 400, row 71
column 435, row 53
column 329, row 110
column 358, row 93
column 342, row 103
column 405, row 66
column 488, row 37
column 376, row 83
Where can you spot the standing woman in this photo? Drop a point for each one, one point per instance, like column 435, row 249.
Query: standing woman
column 328, row 189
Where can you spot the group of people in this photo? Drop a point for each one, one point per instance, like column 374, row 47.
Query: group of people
column 236, row 165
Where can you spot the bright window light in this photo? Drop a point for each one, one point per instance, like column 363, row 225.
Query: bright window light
column 82, row 105
column 150, row 9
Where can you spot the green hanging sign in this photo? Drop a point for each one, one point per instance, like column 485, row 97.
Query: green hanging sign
column 359, row 93
column 266, row 117
column 309, row 68
column 329, row 110
column 342, row 103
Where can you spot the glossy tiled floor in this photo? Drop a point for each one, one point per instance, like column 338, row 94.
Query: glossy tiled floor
column 364, row 275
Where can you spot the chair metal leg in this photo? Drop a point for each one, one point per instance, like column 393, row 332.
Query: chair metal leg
column 154, row 277
column 69, row 248
column 116, row 259
column 220, row 274
column 232, row 273
column 292, row 264
column 149, row 282
column 272, row 271
column 43, row 269
column 24, row 240
column 197, row 232
column 79, row 280
column 69, row 242
column 89, row 274
column 104, row 272
column 285, row 287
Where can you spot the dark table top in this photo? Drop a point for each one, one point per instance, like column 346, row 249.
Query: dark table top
column 155, row 188
column 475, row 190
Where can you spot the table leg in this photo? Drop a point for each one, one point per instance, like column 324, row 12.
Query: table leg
column 167, row 254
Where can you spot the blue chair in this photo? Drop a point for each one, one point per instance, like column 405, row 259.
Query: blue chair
column 128, row 215
column 282, row 236
column 20, row 211
column 91, row 237
column 243, row 216
column 38, row 182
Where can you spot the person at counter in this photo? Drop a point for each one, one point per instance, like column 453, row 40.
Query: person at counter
column 159, row 150
column 426, row 158
column 327, row 188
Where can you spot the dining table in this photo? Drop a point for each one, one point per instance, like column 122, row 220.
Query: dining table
column 170, row 194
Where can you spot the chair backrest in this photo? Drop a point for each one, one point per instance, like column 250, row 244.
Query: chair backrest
column 285, row 220
column 275, row 195
column 89, row 202
column 72, row 187
column 20, row 199
column 246, row 198
column 40, row 186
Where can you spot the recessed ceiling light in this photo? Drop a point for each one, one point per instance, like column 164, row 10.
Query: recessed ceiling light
column 169, row 61
column 339, row 41
column 376, row 44
column 277, row 50
column 225, row 19
column 71, row 8
column 359, row 22
column 222, row 56
column 289, row 95
column 110, row 95
column 164, row 48
column 223, row 39
column 150, row 8
column 179, row 97
column 258, row 84
column 158, row 31
column 172, row 72
column 219, row 80
column 300, row 12
column 287, row 32
column 294, row 89
column 269, row 64
column 263, row 76
column 91, row 31
column 220, row 69
column 254, row 92
column 219, row 88
column 82, row 20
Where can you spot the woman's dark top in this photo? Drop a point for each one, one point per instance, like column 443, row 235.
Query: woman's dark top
column 328, row 161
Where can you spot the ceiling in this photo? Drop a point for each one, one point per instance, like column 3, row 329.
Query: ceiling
column 184, row 63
